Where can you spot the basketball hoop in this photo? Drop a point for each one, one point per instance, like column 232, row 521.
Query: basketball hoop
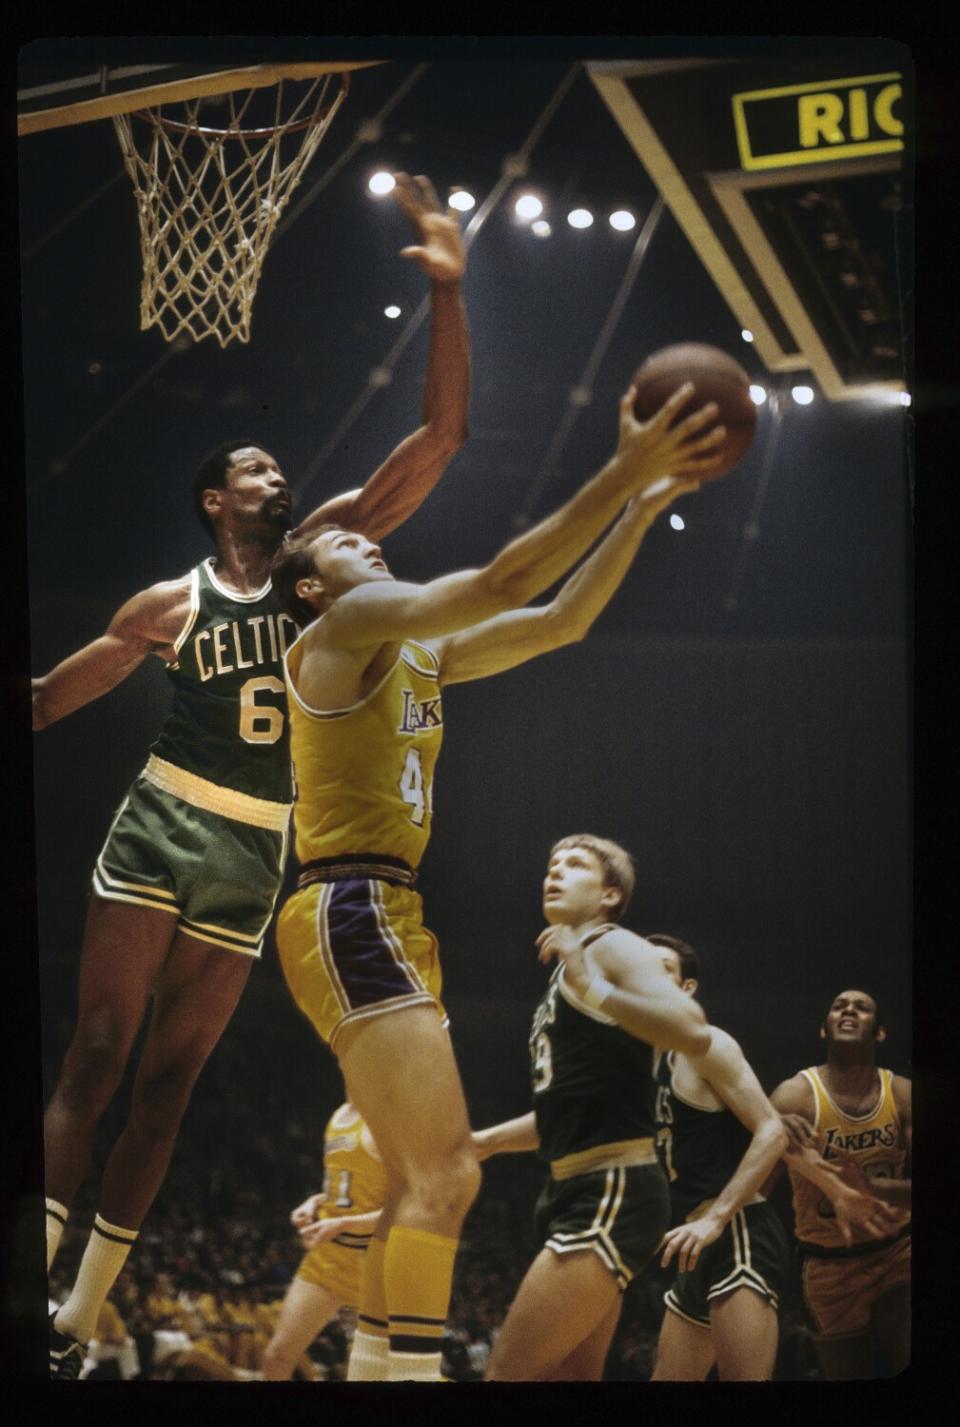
column 209, row 199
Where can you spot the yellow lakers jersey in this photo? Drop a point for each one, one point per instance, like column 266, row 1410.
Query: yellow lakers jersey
column 354, row 1179
column 873, row 1140
column 364, row 774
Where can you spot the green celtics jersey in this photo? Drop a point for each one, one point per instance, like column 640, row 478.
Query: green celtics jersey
column 698, row 1148
column 228, row 722
column 592, row 1081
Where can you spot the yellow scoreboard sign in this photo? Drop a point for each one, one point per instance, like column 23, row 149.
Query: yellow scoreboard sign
column 808, row 123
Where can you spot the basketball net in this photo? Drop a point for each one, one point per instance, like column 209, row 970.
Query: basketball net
column 209, row 201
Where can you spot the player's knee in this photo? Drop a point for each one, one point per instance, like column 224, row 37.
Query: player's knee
column 92, row 1071
column 160, row 1099
column 448, row 1188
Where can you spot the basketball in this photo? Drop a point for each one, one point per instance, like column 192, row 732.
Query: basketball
column 716, row 377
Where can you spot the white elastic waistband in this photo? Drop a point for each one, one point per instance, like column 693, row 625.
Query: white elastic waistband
column 200, row 793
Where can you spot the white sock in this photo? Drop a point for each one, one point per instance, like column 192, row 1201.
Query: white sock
column 414, row 1367
column 56, row 1223
column 103, row 1258
column 369, row 1358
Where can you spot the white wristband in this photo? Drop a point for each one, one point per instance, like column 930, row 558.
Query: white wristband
column 597, row 992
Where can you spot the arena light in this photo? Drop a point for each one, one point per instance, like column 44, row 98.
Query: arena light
column 381, row 183
column 622, row 220
column 462, row 201
column 541, row 228
column 528, row 206
column 580, row 218
column 802, row 395
column 758, row 394
column 747, row 335
column 393, row 311
column 677, row 522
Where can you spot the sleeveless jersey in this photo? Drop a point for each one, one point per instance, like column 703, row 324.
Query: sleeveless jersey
column 699, row 1149
column 873, row 1140
column 592, row 1081
column 354, row 1179
column 228, row 721
column 364, row 774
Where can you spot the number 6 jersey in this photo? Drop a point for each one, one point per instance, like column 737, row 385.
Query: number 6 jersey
column 228, row 721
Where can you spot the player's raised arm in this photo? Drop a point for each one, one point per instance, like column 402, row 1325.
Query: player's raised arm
column 623, row 975
column 518, row 635
column 408, row 475
column 380, row 610
column 724, row 1067
column 147, row 624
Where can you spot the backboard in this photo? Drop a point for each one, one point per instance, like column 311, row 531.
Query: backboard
column 789, row 181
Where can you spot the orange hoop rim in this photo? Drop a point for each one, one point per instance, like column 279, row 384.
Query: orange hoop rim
column 152, row 116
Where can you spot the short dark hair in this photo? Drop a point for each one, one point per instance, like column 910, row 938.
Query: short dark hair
column 878, row 1020
column 689, row 960
column 616, row 862
column 211, row 474
column 291, row 563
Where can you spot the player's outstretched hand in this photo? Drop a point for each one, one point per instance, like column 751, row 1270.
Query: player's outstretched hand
column 322, row 1230
column 687, row 1241
column 862, row 1212
column 688, row 452
column 440, row 251
column 306, row 1212
column 800, row 1132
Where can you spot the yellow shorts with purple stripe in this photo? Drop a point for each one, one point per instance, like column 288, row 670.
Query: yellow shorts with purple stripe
column 337, row 1266
column 354, row 949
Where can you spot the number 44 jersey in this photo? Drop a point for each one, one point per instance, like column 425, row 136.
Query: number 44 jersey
column 228, row 720
column 364, row 774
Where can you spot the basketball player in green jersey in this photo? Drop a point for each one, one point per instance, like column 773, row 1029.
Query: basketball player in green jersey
column 858, row 1119
column 605, row 1206
column 185, row 885
column 719, row 1137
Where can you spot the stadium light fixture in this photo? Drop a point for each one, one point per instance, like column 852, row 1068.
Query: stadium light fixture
column 528, row 206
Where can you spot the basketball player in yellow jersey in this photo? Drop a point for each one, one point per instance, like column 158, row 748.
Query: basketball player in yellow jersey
column 856, row 1287
column 364, row 683
column 336, row 1224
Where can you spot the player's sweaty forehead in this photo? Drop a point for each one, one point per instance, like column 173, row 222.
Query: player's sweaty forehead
column 860, row 1000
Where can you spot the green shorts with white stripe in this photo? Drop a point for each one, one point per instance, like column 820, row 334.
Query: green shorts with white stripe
column 751, row 1252
column 620, row 1214
column 219, row 877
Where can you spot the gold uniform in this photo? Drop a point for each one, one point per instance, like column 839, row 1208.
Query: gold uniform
column 355, row 1182
column 351, row 939
column 841, row 1284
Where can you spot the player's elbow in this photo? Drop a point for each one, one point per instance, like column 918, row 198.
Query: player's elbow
column 776, row 1136
column 446, row 436
column 40, row 714
column 560, row 627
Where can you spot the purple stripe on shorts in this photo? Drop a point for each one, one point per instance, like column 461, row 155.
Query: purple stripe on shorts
column 361, row 952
